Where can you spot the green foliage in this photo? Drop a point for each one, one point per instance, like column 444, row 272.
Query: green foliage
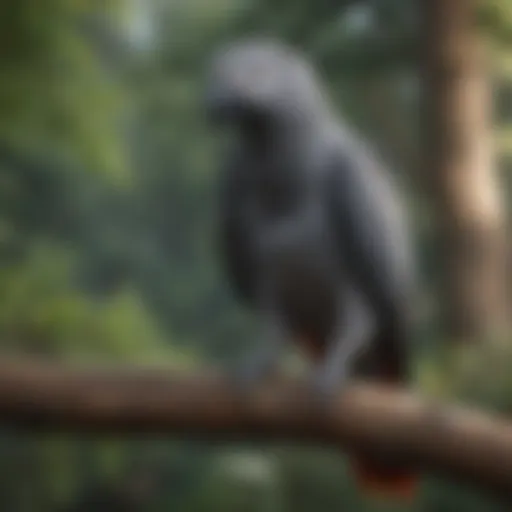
column 496, row 18
column 52, row 90
column 41, row 312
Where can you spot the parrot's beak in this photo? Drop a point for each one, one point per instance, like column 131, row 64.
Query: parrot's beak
column 225, row 106
column 220, row 106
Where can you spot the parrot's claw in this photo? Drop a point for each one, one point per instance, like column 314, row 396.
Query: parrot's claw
column 326, row 385
column 248, row 375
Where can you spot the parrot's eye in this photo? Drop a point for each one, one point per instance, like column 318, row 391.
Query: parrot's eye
column 258, row 78
column 264, row 82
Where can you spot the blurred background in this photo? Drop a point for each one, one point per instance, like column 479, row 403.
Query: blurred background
column 107, row 224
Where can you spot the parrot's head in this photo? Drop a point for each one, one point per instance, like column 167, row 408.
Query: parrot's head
column 262, row 81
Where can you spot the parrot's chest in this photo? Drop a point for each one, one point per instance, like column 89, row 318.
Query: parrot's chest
column 297, row 242
column 295, row 238
column 299, row 260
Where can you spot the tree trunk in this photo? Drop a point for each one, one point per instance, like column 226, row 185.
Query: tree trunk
column 460, row 167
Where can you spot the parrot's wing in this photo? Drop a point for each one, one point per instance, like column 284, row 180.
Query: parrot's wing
column 236, row 235
column 371, row 232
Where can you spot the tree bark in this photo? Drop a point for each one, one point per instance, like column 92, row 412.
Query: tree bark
column 460, row 167
column 460, row 444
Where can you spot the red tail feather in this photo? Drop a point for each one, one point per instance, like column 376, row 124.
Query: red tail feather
column 373, row 478
column 394, row 483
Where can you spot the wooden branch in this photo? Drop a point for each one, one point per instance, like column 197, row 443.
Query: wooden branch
column 461, row 444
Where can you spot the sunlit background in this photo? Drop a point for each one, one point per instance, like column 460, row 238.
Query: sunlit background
column 108, row 175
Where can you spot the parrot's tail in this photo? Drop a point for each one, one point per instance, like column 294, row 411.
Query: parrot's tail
column 373, row 476
column 380, row 480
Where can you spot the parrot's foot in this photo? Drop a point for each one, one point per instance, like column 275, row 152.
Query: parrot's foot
column 327, row 384
column 249, row 374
